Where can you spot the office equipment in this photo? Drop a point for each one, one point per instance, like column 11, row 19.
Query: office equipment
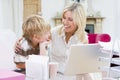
column 84, row 58
column 37, row 67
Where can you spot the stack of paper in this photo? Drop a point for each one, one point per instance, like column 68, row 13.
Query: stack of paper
column 37, row 67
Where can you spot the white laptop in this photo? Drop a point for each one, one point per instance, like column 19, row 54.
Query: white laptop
column 83, row 58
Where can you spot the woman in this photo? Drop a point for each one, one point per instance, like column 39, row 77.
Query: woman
column 72, row 31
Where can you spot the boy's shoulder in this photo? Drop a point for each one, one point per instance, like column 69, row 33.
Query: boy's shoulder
column 24, row 44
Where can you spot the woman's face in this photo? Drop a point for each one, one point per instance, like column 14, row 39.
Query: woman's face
column 67, row 20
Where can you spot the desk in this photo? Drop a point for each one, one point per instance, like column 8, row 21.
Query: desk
column 11, row 75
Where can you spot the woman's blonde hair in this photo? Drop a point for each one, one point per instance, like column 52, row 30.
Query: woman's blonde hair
column 34, row 24
column 79, row 18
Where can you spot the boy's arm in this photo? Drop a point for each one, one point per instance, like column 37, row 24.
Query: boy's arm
column 20, row 65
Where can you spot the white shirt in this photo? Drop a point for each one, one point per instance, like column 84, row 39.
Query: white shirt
column 59, row 49
column 60, row 54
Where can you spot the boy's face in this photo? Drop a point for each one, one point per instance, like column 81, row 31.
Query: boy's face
column 45, row 37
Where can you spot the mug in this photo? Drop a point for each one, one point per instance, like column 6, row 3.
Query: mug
column 53, row 67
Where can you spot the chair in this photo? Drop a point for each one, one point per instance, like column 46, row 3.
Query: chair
column 94, row 38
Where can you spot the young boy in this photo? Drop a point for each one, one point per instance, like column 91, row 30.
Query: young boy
column 36, row 36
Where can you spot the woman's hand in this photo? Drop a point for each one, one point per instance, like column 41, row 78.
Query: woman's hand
column 17, row 48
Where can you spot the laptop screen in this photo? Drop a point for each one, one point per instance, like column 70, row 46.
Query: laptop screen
column 83, row 58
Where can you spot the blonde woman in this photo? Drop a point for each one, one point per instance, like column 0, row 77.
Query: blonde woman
column 36, row 34
column 72, row 31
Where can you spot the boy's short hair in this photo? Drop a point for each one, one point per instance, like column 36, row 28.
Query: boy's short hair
column 34, row 24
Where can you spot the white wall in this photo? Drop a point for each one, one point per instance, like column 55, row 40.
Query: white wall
column 117, row 19
column 17, row 16
column 107, row 9
column 6, row 14
column 50, row 8
column 11, row 15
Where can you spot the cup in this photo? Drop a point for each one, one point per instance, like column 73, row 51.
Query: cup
column 53, row 67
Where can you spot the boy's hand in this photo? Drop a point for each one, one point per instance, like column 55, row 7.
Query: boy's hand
column 43, row 48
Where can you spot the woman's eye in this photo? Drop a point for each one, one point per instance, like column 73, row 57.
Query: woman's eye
column 70, row 19
column 64, row 18
column 67, row 19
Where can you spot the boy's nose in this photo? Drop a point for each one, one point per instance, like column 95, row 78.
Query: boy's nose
column 49, row 38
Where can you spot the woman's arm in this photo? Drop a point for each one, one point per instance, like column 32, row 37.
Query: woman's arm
column 18, row 48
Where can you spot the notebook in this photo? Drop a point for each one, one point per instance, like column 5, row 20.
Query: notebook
column 83, row 58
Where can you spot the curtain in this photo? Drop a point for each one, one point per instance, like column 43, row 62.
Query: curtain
column 11, row 15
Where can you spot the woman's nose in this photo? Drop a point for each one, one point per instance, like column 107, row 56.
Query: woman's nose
column 65, row 21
